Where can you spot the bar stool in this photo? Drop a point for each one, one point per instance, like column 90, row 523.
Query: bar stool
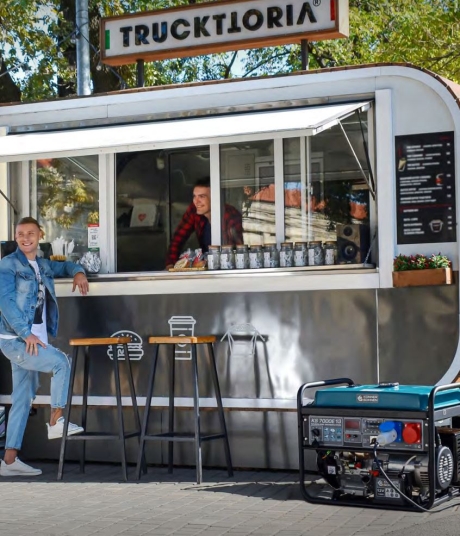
column 121, row 435
column 197, row 437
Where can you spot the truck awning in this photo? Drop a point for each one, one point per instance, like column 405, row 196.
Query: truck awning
column 175, row 133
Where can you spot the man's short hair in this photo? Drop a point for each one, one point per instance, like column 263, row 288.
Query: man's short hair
column 205, row 182
column 29, row 219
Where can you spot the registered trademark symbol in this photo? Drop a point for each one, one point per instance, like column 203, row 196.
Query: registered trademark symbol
column 316, row 3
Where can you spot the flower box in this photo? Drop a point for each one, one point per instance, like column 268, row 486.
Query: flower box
column 420, row 278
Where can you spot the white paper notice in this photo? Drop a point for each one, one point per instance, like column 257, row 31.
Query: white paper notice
column 93, row 236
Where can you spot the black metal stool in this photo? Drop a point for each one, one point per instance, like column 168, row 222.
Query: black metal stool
column 197, row 437
column 121, row 436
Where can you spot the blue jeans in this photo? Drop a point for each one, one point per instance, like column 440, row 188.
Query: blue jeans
column 25, row 369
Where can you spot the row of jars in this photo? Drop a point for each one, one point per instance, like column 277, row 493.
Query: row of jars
column 268, row 256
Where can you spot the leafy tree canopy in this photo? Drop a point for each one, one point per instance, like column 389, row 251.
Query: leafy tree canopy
column 37, row 55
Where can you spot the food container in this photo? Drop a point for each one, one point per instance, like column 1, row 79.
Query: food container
column 242, row 257
column 214, row 258
column 286, row 255
column 227, row 258
column 300, row 254
column 315, row 253
column 330, row 253
column 271, row 256
column 256, row 257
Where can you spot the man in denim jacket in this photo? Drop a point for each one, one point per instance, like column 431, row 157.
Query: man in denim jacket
column 28, row 313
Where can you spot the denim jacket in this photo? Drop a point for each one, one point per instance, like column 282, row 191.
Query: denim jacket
column 19, row 292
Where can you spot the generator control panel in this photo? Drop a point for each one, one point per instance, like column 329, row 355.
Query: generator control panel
column 362, row 432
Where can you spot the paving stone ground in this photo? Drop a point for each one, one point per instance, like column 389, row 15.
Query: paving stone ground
column 252, row 503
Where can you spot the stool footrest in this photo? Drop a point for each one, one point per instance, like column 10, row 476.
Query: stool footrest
column 178, row 436
column 90, row 436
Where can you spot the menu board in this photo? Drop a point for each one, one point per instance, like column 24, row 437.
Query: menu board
column 425, row 188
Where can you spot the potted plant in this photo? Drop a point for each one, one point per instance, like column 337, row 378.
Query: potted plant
column 419, row 270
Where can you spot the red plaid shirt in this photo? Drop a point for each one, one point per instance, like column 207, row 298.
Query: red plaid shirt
column 232, row 230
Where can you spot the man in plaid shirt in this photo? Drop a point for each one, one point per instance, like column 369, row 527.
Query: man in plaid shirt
column 197, row 218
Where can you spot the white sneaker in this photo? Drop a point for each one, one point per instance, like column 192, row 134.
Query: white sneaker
column 18, row 468
column 56, row 431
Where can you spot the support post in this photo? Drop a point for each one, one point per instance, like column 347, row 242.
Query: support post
column 82, row 41
column 140, row 73
column 304, row 54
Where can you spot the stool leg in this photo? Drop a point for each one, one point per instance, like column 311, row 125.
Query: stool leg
column 132, row 390
column 223, row 426
column 84, row 407
column 172, row 375
column 67, row 414
column 121, row 426
column 196, row 407
column 148, row 401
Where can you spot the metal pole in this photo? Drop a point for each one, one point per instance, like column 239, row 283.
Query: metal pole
column 83, row 69
column 304, row 54
column 140, row 73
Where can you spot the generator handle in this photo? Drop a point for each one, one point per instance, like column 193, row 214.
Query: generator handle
column 321, row 383
column 436, row 390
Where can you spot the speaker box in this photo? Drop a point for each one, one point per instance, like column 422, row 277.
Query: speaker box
column 353, row 241
column 7, row 247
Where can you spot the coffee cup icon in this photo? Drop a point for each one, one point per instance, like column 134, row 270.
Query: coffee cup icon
column 436, row 226
column 182, row 326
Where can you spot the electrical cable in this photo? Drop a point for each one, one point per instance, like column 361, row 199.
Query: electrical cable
column 408, row 499
column 124, row 84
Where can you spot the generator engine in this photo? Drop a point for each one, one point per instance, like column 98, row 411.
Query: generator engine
column 384, row 445
column 356, row 473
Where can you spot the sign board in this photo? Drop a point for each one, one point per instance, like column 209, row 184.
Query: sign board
column 425, row 188
column 219, row 27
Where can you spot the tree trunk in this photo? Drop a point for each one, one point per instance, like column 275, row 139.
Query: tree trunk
column 9, row 91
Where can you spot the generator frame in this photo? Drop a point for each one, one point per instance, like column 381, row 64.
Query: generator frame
column 429, row 418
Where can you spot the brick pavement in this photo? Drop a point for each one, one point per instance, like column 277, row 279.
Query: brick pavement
column 251, row 503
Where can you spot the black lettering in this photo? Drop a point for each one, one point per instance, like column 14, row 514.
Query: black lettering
column 141, row 31
column 247, row 20
column 219, row 25
column 289, row 15
column 306, row 10
column 274, row 14
column 234, row 28
column 164, row 32
column 200, row 26
column 125, row 31
column 174, row 29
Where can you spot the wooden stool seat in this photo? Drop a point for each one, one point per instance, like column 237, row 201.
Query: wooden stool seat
column 120, row 435
column 100, row 341
column 197, row 437
column 211, row 339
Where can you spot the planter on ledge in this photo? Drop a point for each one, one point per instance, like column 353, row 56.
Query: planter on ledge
column 420, row 278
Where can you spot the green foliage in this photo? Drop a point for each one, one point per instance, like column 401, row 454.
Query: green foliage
column 402, row 263
column 34, row 41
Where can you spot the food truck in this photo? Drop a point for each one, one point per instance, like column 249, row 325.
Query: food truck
column 334, row 173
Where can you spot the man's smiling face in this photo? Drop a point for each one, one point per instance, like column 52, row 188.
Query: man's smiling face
column 27, row 237
column 202, row 200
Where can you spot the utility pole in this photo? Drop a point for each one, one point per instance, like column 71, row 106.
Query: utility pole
column 82, row 38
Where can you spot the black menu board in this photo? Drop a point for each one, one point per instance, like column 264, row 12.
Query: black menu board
column 425, row 188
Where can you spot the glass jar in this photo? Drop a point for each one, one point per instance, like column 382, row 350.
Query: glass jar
column 242, row 257
column 214, row 258
column 271, row 256
column 227, row 258
column 300, row 254
column 330, row 253
column 315, row 253
column 286, row 255
column 256, row 257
